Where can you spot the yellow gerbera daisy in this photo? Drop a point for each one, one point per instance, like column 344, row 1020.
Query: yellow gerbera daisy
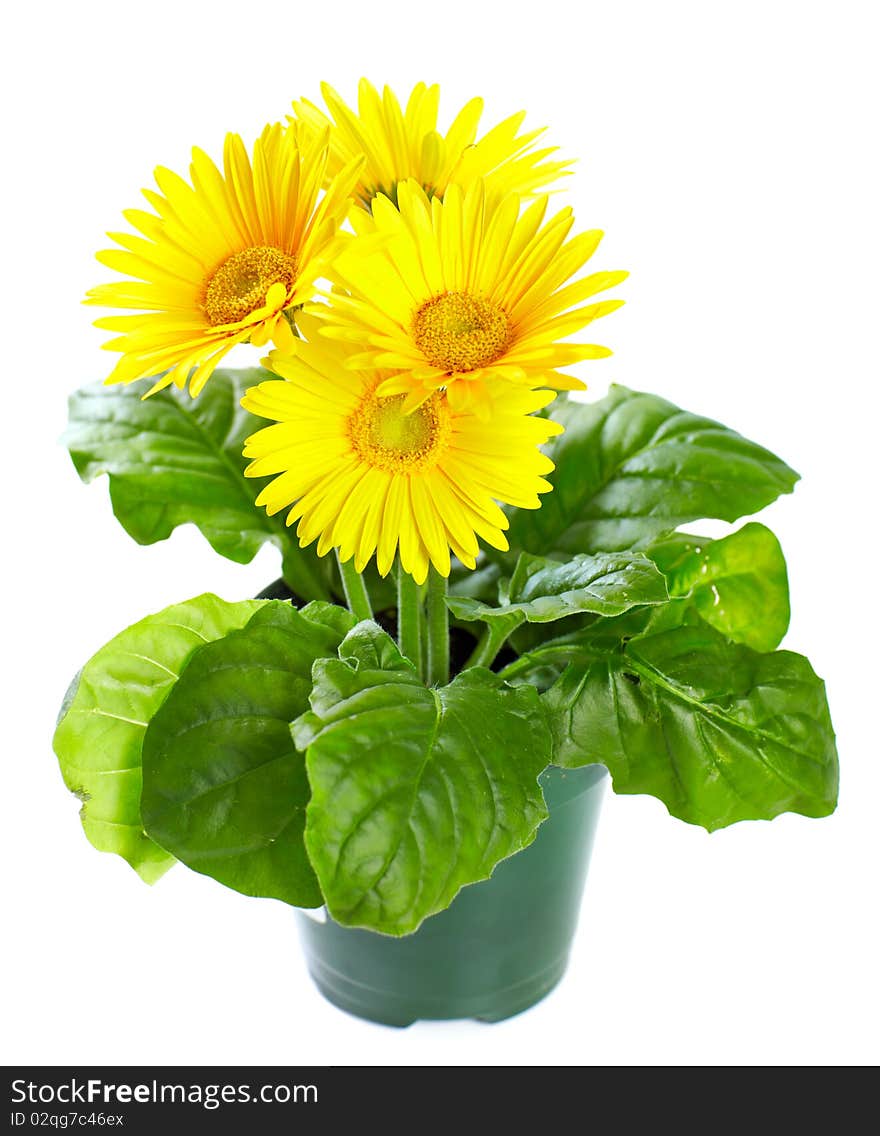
column 449, row 293
column 365, row 477
column 406, row 144
column 224, row 260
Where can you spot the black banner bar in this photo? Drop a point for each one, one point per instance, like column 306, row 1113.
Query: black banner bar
column 239, row 1099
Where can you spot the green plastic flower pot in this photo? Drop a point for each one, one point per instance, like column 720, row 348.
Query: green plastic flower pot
column 501, row 946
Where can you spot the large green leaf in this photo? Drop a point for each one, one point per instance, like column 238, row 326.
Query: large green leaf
column 101, row 727
column 415, row 792
column 174, row 460
column 632, row 466
column 739, row 584
column 542, row 590
column 224, row 789
column 719, row 732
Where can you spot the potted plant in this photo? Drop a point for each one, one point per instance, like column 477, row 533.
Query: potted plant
column 488, row 600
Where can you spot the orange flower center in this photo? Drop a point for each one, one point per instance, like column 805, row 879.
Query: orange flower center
column 460, row 332
column 239, row 286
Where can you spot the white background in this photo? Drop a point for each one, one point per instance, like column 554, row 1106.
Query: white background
column 729, row 152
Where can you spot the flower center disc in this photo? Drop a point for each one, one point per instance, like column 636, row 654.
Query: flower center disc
column 458, row 332
column 386, row 438
column 239, row 285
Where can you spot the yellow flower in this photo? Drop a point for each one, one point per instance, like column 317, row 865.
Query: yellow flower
column 406, row 144
column 454, row 292
column 224, row 260
column 364, row 477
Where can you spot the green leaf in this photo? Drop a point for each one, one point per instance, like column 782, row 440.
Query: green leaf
column 224, row 788
column 542, row 590
column 415, row 792
column 717, row 731
column 739, row 584
column 174, row 460
column 105, row 714
column 632, row 466
column 480, row 583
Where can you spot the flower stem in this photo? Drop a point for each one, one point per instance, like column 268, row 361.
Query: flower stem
column 549, row 655
column 409, row 618
column 356, row 595
column 438, row 630
column 492, row 640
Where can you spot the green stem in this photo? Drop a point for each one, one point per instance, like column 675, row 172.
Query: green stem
column 438, row 630
column 409, row 618
column 492, row 640
column 562, row 654
column 356, row 595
